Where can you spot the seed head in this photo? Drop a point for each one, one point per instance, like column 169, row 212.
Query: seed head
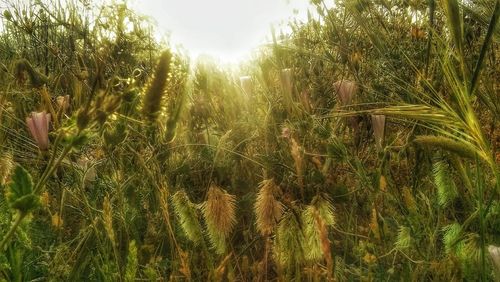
column 156, row 88
column 219, row 212
column 267, row 209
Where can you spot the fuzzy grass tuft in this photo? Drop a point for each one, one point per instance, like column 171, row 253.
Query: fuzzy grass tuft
column 6, row 165
column 447, row 190
column 186, row 212
column 447, row 144
column 156, row 88
column 288, row 242
column 268, row 209
column 219, row 212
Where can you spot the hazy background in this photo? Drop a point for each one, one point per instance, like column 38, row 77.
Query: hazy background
column 225, row 29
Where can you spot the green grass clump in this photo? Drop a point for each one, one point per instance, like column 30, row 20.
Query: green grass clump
column 158, row 168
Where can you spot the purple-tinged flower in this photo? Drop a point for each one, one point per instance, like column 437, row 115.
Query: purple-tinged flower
column 378, row 122
column 38, row 125
column 346, row 90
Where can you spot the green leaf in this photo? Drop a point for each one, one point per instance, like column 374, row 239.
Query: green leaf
column 26, row 203
column 487, row 41
column 20, row 191
column 21, row 183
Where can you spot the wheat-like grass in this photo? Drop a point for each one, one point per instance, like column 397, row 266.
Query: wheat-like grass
column 187, row 215
column 219, row 212
column 6, row 165
column 156, row 88
column 268, row 209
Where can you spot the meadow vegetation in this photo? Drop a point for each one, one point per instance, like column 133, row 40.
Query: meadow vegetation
column 361, row 146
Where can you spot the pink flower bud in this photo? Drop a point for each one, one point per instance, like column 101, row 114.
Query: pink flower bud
column 346, row 90
column 378, row 122
column 38, row 125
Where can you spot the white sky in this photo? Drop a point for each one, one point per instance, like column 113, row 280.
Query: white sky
column 225, row 29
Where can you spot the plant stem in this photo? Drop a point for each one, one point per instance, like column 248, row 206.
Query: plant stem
column 12, row 230
column 482, row 216
column 50, row 169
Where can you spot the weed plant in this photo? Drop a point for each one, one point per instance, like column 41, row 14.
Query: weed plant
column 361, row 146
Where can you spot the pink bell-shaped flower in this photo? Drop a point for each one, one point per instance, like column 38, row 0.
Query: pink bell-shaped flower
column 346, row 90
column 378, row 123
column 38, row 125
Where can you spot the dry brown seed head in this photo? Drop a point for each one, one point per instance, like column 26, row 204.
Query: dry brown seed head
column 267, row 209
column 220, row 210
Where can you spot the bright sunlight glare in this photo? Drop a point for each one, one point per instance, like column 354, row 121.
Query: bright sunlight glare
column 225, row 29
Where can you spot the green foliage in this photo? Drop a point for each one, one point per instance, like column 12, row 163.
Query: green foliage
column 187, row 214
column 330, row 205
column 447, row 190
column 455, row 23
column 20, row 191
column 132, row 263
column 403, row 240
column 319, row 213
column 312, row 241
column 289, row 241
column 451, row 237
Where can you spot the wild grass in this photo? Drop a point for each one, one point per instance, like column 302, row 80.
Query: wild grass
column 363, row 145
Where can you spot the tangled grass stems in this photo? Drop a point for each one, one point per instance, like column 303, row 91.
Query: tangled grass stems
column 268, row 171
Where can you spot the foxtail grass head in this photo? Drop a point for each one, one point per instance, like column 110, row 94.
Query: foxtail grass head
column 325, row 209
column 298, row 158
column 107, row 218
column 286, row 77
column 267, row 209
column 156, row 88
column 447, row 144
column 186, row 213
column 289, row 241
column 404, row 238
column 447, row 190
column 316, row 218
column 6, row 165
column 219, row 212
column 38, row 125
